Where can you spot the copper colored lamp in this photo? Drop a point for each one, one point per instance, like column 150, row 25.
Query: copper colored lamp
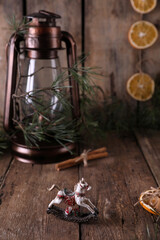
column 33, row 63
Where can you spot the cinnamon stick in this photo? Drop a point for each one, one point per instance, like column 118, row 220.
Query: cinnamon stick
column 98, row 153
column 98, row 150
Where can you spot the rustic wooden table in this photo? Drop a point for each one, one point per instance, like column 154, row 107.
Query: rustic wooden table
column 132, row 166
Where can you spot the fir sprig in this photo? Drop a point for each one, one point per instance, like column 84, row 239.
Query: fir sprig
column 40, row 130
column 19, row 27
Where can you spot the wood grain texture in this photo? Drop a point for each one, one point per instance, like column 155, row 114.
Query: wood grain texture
column 120, row 178
column 151, row 56
column 8, row 9
column 5, row 161
column 25, row 200
column 106, row 39
column 149, row 142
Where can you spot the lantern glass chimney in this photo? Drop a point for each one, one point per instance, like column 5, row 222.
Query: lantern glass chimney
column 34, row 88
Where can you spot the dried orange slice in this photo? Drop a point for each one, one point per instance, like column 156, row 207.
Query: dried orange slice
column 142, row 34
column 140, row 86
column 143, row 6
column 150, row 200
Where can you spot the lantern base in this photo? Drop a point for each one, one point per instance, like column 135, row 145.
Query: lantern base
column 45, row 153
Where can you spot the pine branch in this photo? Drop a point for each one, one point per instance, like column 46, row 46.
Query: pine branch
column 46, row 123
column 19, row 27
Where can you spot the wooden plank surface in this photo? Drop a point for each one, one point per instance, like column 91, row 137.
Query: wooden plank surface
column 25, row 200
column 8, row 9
column 5, row 161
column 120, row 178
column 149, row 142
column 106, row 39
column 5, row 164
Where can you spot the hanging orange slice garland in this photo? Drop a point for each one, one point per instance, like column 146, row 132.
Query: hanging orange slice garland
column 141, row 35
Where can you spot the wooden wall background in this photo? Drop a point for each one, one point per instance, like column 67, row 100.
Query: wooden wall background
column 100, row 27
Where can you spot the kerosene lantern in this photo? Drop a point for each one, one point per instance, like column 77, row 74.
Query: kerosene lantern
column 33, row 64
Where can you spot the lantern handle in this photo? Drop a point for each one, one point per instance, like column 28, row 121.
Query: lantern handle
column 43, row 14
column 50, row 14
column 11, row 55
column 71, row 57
